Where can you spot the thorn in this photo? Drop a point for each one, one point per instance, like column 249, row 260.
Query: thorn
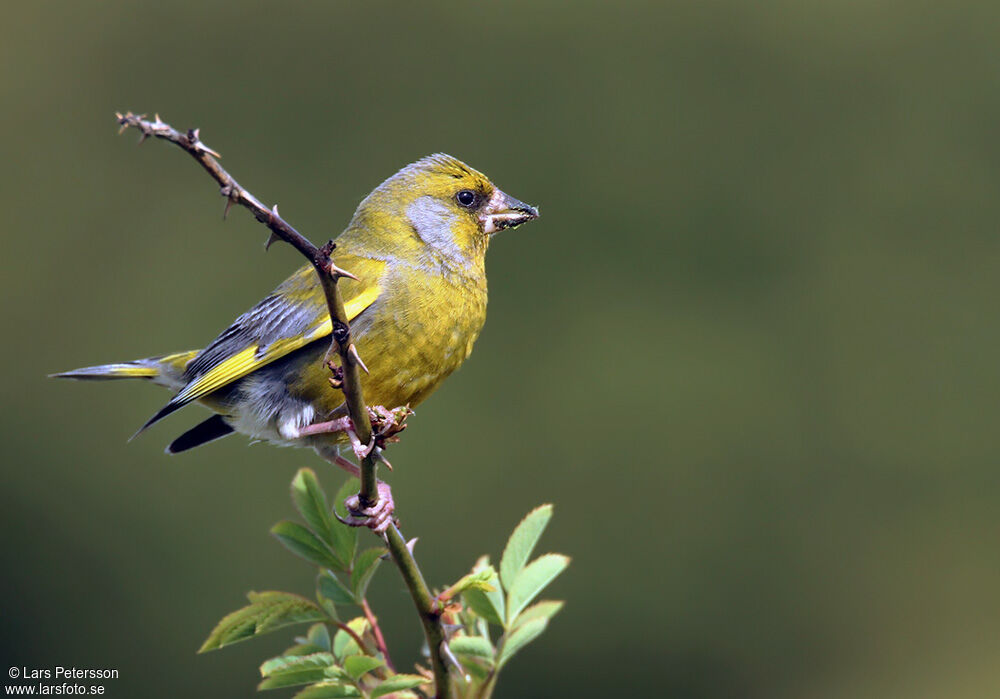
column 452, row 660
column 156, row 116
column 274, row 237
column 409, row 547
column 142, row 138
column 231, row 194
column 334, row 271
column 451, row 629
column 194, row 140
column 381, row 457
column 337, row 272
column 353, row 351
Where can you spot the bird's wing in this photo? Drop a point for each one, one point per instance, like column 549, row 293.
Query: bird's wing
column 291, row 317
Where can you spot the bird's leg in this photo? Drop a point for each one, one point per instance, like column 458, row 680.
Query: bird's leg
column 377, row 517
column 341, row 424
column 347, row 465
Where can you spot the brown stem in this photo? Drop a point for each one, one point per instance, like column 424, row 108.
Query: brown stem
column 328, row 274
column 377, row 633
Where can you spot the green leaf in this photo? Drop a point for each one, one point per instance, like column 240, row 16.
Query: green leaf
column 483, row 606
column 522, row 542
column 304, row 543
column 319, row 635
column 310, row 501
column 329, row 586
column 328, row 690
column 345, row 538
column 286, row 663
column 329, row 607
column 478, row 579
column 343, row 644
column 477, row 671
column 542, row 610
column 357, row 665
column 530, row 581
column 487, row 604
column 475, row 646
column 364, row 569
column 398, row 683
column 289, row 671
column 519, row 638
column 267, row 611
column 302, row 649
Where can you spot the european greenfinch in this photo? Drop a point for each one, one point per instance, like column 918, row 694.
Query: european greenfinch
column 417, row 245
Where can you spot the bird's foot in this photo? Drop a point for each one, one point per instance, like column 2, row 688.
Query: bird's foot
column 376, row 517
column 387, row 424
column 360, row 450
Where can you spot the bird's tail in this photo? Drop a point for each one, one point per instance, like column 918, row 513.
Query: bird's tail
column 167, row 370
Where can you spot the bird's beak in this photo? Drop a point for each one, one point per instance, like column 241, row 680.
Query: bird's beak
column 503, row 211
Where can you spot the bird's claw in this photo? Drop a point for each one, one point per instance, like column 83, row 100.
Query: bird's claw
column 378, row 517
column 360, row 450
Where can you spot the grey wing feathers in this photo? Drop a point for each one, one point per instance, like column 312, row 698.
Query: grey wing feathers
column 272, row 319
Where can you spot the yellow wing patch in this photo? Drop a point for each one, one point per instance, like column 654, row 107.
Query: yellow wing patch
column 128, row 371
column 250, row 359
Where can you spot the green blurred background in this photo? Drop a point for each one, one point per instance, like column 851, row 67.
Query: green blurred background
column 749, row 350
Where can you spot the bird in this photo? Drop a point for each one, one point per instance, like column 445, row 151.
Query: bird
column 416, row 246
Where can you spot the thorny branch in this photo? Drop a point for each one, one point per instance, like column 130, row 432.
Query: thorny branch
column 348, row 378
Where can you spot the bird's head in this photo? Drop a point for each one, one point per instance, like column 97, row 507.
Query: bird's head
column 440, row 206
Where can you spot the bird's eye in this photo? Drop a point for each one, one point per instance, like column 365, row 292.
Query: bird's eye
column 467, row 198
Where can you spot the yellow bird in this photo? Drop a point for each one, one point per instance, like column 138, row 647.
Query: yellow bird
column 417, row 244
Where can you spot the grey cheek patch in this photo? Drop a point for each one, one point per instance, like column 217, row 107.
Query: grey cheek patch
column 433, row 221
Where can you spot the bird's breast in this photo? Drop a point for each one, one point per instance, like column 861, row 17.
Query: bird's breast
column 418, row 334
column 419, row 330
